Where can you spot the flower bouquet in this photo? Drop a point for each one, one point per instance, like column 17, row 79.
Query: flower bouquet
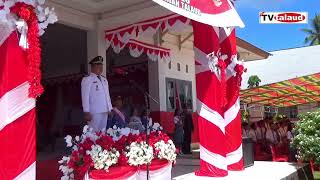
column 117, row 154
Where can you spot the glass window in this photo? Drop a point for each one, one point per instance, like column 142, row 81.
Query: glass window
column 187, row 68
column 178, row 66
column 169, row 65
column 170, row 94
column 179, row 94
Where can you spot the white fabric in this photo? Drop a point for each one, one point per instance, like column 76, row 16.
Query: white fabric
column 214, row 159
column 211, row 115
column 260, row 132
column 14, row 104
column 232, row 112
column 95, row 94
column 5, row 32
column 252, row 135
column 235, row 156
column 289, row 135
column 135, row 52
column 28, row 174
column 99, row 121
column 201, row 58
column 133, row 177
column 224, row 19
column 271, row 136
column 160, row 174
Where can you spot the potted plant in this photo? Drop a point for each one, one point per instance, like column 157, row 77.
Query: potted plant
column 307, row 139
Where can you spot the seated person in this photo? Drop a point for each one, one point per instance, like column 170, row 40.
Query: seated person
column 117, row 118
column 135, row 121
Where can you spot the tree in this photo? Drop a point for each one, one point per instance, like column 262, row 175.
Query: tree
column 313, row 35
column 253, row 81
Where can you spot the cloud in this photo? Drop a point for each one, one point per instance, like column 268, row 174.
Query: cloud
column 266, row 5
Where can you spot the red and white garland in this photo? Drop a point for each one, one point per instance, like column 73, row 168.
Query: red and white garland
column 30, row 18
column 137, row 48
column 121, row 36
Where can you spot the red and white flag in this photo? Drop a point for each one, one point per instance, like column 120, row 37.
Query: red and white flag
column 220, row 13
column 17, row 113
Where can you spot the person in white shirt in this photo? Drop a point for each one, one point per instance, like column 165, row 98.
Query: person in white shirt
column 252, row 133
column 261, row 131
column 95, row 95
column 272, row 135
column 283, row 132
column 245, row 130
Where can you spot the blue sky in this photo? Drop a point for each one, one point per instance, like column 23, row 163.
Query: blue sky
column 274, row 36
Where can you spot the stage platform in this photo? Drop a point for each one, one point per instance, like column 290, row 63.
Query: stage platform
column 260, row 171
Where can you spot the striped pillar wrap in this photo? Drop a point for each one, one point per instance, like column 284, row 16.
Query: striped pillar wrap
column 232, row 115
column 17, row 113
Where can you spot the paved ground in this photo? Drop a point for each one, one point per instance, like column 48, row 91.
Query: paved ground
column 185, row 164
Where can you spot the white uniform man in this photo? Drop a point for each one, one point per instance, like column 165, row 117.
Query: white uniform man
column 96, row 101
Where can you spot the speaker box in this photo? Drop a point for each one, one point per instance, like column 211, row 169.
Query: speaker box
column 248, row 152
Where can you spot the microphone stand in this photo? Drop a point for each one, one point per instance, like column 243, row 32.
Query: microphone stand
column 147, row 97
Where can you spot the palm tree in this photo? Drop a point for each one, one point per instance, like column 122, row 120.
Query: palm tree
column 313, row 35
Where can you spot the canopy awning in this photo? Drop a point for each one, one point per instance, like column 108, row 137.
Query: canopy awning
column 286, row 93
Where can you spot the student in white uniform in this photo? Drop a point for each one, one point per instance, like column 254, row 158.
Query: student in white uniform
column 96, row 101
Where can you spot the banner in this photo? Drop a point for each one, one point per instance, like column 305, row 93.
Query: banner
column 219, row 13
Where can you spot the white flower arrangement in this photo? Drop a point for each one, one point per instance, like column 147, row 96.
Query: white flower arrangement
column 66, row 171
column 139, row 153
column 103, row 159
column 166, row 150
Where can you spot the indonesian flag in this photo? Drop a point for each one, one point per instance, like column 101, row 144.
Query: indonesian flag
column 220, row 13
column 17, row 112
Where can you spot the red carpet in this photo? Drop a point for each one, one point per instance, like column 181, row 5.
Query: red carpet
column 48, row 170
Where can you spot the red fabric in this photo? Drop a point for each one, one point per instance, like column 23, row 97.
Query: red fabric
column 17, row 140
column 18, row 146
column 276, row 157
column 155, row 165
column 121, row 172
column 165, row 119
column 209, row 7
column 233, row 129
column 209, row 92
column 12, row 64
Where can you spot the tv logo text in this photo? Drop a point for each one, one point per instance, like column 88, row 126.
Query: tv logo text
column 283, row 17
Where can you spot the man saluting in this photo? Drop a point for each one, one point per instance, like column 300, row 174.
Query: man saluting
column 96, row 101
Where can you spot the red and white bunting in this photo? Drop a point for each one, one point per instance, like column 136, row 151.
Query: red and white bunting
column 120, row 36
column 137, row 48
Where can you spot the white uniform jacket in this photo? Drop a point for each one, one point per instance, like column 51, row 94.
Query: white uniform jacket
column 95, row 94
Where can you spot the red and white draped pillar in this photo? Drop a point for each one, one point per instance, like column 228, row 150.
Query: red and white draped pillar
column 17, row 113
column 232, row 114
column 210, row 109
column 218, row 78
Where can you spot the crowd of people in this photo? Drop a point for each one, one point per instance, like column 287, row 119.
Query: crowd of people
column 267, row 134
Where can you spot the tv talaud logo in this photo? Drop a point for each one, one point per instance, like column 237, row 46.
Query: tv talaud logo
column 283, row 17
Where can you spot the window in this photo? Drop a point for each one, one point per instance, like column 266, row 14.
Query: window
column 169, row 65
column 170, row 87
column 179, row 94
column 187, row 68
column 178, row 66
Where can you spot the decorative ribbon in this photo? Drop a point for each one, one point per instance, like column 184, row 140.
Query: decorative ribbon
column 217, row 65
column 22, row 27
